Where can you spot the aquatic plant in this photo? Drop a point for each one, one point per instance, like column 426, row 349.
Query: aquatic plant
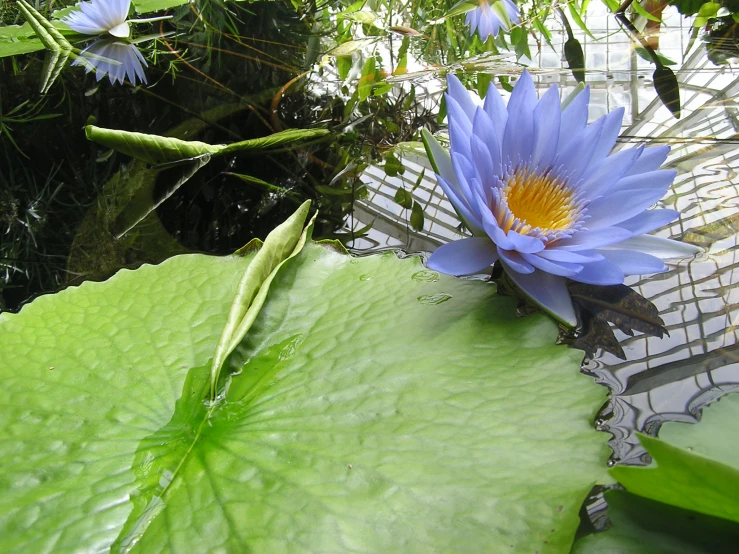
column 540, row 193
column 104, row 16
column 490, row 17
column 101, row 16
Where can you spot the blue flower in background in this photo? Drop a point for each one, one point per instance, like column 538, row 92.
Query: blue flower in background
column 118, row 60
column 537, row 188
column 100, row 16
column 490, row 17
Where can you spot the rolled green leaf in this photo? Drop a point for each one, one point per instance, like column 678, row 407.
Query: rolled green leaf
column 155, row 149
column 284, row 242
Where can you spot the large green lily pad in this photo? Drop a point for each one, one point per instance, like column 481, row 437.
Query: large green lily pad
column 373, row 406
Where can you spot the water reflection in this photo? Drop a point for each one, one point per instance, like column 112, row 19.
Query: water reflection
column 118, row 60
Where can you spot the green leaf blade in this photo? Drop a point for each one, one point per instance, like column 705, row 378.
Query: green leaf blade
column 338, row 418
column 152, row 149
column 684, row 480
column 102, row 366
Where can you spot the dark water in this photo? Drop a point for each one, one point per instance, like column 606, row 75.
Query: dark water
column 71, row 210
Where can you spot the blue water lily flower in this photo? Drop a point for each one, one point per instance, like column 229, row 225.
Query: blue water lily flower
column 541, row 192
column 119, row 60
column 492, row 16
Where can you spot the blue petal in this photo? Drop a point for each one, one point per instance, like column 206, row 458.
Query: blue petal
column 465, row 172
column 614, row 208
column 546, row 128
column 472, row 19
column 651, row 158
column 484, row 192
column 483, row 127
column 661, row 179
column 461, row 95
column 588, row 239
column 484, row 164
column 491, row 227
column 512, row 10
column 576, row 156
column 459, row 139
column 496, row 109
column 489, row 26
column 570, row 257
column 519, row 130
column 574, row 117
column 600, row 273
column 634, row 263
column 461, row 206
column 457, row 116
column 547, row 291
column 611, row 130
column 525, row 243
column 515, row 261
column 648, row 221
column 608, row 172
column 658, row 246
column 464, row 257
column 563, row 269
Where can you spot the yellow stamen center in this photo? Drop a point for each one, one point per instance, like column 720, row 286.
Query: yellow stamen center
column 541, row 201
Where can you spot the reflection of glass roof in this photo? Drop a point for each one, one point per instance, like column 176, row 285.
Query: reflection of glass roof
column 662, row 379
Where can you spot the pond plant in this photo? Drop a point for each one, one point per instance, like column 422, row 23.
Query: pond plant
column 536, row 186
column 291, row 396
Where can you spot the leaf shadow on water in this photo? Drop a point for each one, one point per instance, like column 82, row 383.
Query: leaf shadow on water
column 597, row 306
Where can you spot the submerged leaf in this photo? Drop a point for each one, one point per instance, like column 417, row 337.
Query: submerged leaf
column 642, row 526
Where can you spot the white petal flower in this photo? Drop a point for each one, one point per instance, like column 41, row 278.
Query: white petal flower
column 101, row 16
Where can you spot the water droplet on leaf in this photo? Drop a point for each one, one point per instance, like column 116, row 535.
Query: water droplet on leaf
column 434, row 299
column 426, row 276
